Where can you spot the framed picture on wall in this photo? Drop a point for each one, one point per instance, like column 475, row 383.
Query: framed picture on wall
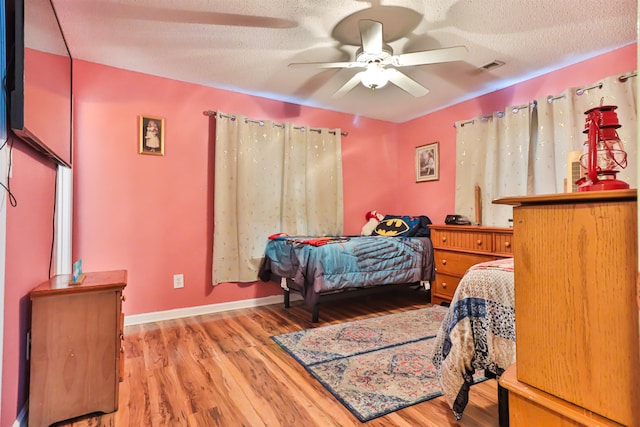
column 151, row 135
column 427, row 163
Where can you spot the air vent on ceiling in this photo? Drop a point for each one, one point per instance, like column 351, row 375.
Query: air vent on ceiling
column 493, row 64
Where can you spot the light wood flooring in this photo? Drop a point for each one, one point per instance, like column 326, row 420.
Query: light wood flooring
column 224, row 370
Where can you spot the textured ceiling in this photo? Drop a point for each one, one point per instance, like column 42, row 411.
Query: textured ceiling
column 246, row 45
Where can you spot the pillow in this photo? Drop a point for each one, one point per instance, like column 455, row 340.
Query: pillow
column 403, row 226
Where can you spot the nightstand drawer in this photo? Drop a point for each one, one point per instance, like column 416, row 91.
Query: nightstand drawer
column 457, row 263
column 462, row 240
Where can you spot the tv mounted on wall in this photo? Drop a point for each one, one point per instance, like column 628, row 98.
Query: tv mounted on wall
column 39, row 63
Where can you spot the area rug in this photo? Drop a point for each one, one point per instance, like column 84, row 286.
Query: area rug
column 372, row 366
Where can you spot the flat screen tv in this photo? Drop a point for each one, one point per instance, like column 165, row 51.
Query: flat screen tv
column 39, row 83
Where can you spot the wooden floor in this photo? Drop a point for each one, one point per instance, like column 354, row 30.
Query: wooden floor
column 224, row 370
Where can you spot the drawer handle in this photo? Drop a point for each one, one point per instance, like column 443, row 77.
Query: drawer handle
column 444, row 285
column 444, row 239
column 507, row 244
column 444, row 262
column 123, row 297
column 479, row 242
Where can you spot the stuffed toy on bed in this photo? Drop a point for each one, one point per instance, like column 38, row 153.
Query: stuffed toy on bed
column 373, row 219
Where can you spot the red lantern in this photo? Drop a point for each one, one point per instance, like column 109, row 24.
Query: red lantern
column 603, row 153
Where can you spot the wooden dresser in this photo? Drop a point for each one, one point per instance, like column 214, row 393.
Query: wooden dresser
column 577, row 342
column 76, row 357
column 458, row 247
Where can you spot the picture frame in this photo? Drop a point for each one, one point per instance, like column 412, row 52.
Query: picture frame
column 427, row 162
column 151, row 138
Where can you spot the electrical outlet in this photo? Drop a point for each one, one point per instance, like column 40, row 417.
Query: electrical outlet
column 178, row 281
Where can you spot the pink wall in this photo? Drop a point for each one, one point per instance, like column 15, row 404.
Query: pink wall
column 152, row 215
column 28, row 248
column 436, row 198
column 50, row 91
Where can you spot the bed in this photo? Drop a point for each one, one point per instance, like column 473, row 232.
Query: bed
column 478, row 332
column 322, row 266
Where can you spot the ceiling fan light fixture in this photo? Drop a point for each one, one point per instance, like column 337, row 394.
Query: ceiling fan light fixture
column 379, row 63
column 374, row 77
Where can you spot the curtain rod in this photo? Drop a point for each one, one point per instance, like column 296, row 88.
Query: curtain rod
column 499, row 114
column 579, row 91
column 261, row 122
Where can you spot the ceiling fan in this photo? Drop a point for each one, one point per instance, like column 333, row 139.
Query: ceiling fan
column 379, row 63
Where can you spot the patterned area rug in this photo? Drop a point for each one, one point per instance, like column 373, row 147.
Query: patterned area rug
column 373, row 366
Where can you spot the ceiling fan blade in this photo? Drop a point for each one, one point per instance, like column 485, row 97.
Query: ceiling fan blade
column 353, row 82
column 327, row 65
column 406, row 83
column 435, row 56
column 371, row 36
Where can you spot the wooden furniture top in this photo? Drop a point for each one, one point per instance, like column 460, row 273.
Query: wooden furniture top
column 580, row 197
column 60, row 284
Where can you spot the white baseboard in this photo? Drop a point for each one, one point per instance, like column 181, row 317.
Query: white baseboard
column 137, row 319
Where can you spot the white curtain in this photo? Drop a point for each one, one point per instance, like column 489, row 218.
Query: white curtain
column 514, row 154
column 561, row 123
column 492, row 153
column 556, row 137
column 271, row 178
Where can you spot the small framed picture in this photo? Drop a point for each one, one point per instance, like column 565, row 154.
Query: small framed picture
column 427, row 163
column 151, row 135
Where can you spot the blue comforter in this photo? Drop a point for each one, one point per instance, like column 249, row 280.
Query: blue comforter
column 343, row 263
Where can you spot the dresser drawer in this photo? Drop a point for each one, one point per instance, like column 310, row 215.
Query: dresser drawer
column 457, row 263
column 462, row 240
column 445, row 286
column 503, row 244
column 458, row 247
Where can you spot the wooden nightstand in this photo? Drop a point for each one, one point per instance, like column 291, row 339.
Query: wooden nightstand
column 458, row 247
column 76, row 347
